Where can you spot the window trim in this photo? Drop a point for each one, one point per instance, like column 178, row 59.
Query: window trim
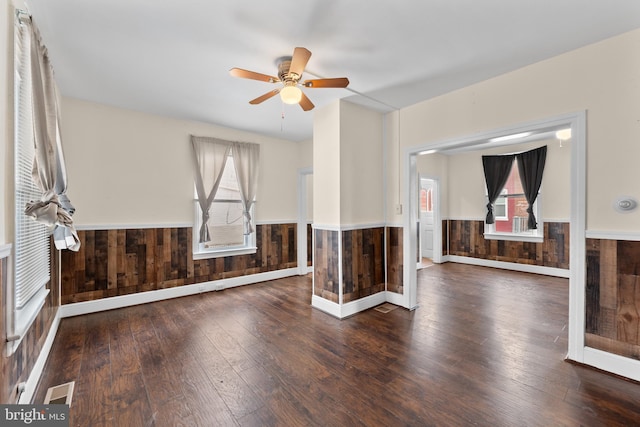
column 505, row 194
column 534, row 236
column 199, row 252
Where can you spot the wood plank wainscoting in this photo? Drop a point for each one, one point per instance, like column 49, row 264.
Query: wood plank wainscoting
column 466, row 239
column 613, row 296
column 363, row 259
column 17, row 367
column 360, row 253
column 125, row 261
column 394, row 260
column 309, row 245
column 326, row 280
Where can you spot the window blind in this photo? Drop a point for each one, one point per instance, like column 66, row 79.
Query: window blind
column 31, row 255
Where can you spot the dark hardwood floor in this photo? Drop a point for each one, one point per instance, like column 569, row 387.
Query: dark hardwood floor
column 485, row 347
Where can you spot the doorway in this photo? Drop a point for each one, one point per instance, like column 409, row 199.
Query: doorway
column 411, row 183
column 305, row 218
column 426, row 208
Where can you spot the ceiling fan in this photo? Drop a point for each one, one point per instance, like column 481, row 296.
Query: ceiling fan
column 290, row 69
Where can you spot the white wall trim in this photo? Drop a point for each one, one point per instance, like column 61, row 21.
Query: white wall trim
column 456, row 218
column 613, row 235
column 328, row 227
column 348, row 309
column 453, row 218
column 34, row 377
column 5, row 250
column 619, row 365
column 513, row 266
column 349, row 227
column 79, row 308
column 94, row 227
column 276, row 222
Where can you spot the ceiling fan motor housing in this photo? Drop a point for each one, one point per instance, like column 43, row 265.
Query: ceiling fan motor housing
column 289, row 79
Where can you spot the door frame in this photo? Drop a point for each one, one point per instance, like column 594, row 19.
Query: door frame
column 577, row 275
column 437, row 218
column 303, row 268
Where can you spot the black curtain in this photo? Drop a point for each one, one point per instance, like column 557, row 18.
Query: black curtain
column 496, row 173
column 531, row 167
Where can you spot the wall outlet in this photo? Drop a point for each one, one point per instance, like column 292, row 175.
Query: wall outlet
column 398, row 209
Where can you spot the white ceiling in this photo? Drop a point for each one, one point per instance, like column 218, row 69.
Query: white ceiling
column 172, row 57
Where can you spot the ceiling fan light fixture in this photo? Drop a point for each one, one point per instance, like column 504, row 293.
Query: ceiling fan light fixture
column 291, row 95
column 563, row 134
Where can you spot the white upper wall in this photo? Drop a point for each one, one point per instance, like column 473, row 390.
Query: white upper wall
column 305, row 154
column 347, row 166
column 128, row 168
column 326, row 165
column 602, row 78
column 6, row 121
column 361, row 171
column 467, row 187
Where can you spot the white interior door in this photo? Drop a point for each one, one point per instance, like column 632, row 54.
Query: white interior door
column 426, row 205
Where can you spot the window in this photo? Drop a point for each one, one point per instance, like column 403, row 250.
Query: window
column 227, row 222
column 510, row 212
column 426, row 200
column 501, row 207
column 31, row 251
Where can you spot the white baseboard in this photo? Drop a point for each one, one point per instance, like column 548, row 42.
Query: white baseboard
column 350, row 308
column 395, row 298
column 619, row 365
column 34, row 377
column 525, row 268
column 79, row 308
column 303, row 271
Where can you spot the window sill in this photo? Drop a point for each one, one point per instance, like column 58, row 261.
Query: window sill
column 24, row 318
column 224, row 253
column 514, row 237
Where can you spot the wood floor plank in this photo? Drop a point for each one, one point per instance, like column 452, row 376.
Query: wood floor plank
column 485, row 347
column 131, row 404
column 67, row 352
column 93, row 392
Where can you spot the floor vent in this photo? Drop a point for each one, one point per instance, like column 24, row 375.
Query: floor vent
column 60, row 394
column 385, row 308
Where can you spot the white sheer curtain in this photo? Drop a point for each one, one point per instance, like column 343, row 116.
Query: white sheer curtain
column 246, row 159
column 49, row 172
column 209, row 157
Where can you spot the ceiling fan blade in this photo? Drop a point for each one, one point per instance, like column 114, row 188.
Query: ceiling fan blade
column 336, row 82
column 246, row 74
column 306, row 103
column 299, row 60
column 264, row 97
